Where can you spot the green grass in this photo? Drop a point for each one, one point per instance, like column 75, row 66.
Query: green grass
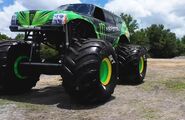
column 149, row 114
column 23, row 105
column 150, row 85
column 175, row 85
column 171, row 84
column 31, row 107
column 4, row 102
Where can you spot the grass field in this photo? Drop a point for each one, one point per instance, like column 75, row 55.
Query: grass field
column 161, row 96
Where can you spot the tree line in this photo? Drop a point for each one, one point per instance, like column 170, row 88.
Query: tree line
column 160, row 42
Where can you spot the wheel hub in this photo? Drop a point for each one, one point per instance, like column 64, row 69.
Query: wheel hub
column 17, row 66
column 141, row 65
column 105, row 71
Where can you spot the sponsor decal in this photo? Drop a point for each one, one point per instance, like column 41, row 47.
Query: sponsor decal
column 111, row 59
column 112, row 29
column 102, row 29
column 29, row 28
column 59, row 19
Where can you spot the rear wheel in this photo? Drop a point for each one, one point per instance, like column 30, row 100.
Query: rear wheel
column 132, row 63
column 91, row 71
column 12, row 79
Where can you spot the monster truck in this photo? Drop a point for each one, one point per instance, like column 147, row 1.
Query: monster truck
column 90, row 50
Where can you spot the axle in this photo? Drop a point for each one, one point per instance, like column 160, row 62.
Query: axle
column 28, row 68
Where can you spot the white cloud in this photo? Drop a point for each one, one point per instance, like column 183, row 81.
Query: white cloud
column 170, row 13
column 5, row 17
column 45, row 4
column 1, row 1
column 18, row 5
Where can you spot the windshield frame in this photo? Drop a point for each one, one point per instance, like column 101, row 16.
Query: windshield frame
column 91, row 8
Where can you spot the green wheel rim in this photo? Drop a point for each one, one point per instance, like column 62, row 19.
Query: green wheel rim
column 16, row 67
column 141, row 65
column 105, row 71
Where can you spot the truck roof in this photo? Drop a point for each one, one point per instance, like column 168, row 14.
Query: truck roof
column 92, row 5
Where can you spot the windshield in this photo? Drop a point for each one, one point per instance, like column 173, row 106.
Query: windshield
column 79, row 8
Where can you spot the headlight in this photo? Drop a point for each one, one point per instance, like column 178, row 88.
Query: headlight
column 14, row 19
column 59, row 19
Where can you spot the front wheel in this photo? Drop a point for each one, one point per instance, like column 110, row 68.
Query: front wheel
column 91, row 71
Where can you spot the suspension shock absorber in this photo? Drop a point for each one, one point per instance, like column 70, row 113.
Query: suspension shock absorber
column 34, row 40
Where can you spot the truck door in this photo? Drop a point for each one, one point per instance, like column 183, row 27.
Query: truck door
column 112, row 30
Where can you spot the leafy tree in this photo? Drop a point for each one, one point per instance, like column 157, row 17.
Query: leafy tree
column 183, row 39
column 163, row 43
column 180, row 47
column 47, row 52
column 140, row 38
column 19, row 37
column 4, row 37
column 136, row 36
column 130, row 22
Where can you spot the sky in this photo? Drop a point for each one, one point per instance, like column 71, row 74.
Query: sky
column 171, row 13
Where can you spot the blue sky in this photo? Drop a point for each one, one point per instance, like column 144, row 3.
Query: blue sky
column 146, row 12
column 98, row 2
column 6, row 3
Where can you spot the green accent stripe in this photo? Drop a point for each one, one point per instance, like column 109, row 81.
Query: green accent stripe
column 141, row 65
column 42, row 17
column 16, row 67
column 23, row 18
column 116, row 42
column 105, row 71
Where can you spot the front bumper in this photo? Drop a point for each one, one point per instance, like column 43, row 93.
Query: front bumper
column 15, row 28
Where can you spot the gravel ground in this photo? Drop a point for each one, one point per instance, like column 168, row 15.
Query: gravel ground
column 161, row 96
column 179, row 57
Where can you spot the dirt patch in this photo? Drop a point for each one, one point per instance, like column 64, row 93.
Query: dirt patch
column 161, row 96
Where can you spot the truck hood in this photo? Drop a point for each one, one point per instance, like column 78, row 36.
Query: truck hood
column 36, row 18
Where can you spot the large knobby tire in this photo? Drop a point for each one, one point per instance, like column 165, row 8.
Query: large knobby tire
column 132, row 63
column 91, row 71
column 12, row 81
